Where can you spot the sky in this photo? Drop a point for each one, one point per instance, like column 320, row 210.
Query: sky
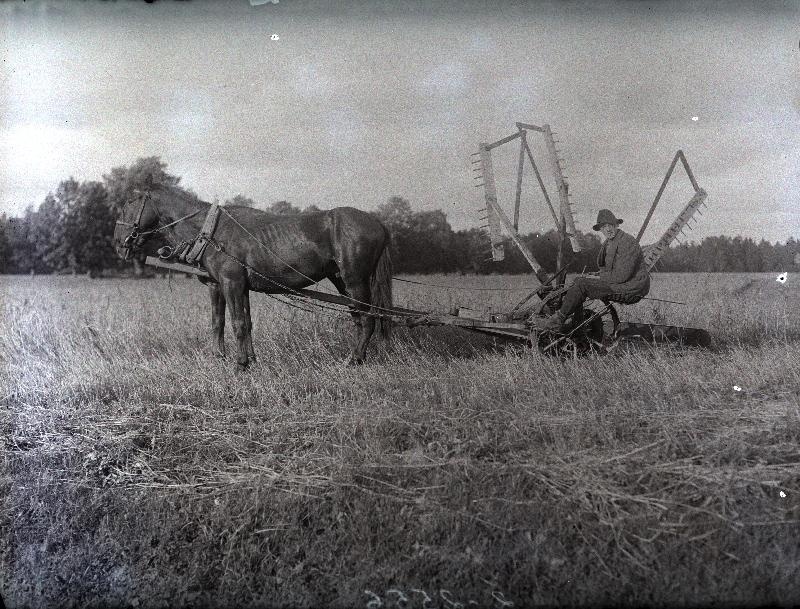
column 355, row 102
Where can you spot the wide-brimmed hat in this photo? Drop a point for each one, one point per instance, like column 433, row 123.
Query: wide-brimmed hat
column 604, row 216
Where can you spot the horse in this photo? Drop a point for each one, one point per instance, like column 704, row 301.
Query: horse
column 253, row 250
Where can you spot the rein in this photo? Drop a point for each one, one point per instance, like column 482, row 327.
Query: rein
column 160, row 228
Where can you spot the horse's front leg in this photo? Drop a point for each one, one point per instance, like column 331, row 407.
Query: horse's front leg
column 217, row 317
column 235, row 294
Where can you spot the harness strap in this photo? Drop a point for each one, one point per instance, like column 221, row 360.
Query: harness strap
column 178, row 221
column 206, row 233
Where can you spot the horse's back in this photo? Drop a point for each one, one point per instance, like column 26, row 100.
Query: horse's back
column 350, row 214
column 342, row 225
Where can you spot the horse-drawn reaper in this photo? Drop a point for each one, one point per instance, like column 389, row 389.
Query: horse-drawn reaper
column 236, row 250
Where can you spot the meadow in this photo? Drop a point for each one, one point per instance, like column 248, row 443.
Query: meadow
column 452, row 470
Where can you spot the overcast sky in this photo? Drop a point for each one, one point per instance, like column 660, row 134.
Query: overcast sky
column 365, row 100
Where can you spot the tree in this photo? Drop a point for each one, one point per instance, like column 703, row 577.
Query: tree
column 468, row 248
column 397, row 216
column 242, row 201
column 753, row 262
column 429, row 247
column 89, row 230
column 65, row 235
column 72, row 229
column 5, row 245
column 769, row 259
column 45, row 231
column 122, row 182
column 283, row 208
column 22, row 255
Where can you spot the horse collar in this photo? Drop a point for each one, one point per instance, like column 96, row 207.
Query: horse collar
column 206, row 234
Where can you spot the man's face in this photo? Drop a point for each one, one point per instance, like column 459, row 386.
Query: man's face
column 609, row 230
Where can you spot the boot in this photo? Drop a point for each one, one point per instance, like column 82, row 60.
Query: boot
column 609, row 336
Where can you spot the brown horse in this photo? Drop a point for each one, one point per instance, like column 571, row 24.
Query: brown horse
column 255, row 250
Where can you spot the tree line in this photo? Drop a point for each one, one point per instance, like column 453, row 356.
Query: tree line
column 71, row 232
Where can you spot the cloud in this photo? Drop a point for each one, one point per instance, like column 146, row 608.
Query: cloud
column 360, row 101
column 39, row 154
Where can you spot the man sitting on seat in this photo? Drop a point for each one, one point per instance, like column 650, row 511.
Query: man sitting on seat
column 623, row 274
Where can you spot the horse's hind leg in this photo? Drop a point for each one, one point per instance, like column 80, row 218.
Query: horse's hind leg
column 339, row 284
column 217, row 318
column 366, row 326
column 251, row 354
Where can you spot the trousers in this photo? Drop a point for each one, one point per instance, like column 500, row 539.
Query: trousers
column 580, row 290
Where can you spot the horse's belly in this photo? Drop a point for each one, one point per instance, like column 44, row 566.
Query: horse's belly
column 298, row 271
column 274, row 284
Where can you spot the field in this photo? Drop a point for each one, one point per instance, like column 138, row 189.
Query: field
column 451, row 470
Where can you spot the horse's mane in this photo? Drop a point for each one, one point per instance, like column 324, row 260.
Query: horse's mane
column 262, row 212
column 176, row 192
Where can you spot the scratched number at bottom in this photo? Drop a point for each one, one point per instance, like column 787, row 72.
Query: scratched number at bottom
column 414, row 597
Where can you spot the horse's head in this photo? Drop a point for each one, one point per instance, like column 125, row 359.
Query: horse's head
column 138, row 222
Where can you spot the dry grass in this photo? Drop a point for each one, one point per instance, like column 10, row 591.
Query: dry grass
column 139, row 470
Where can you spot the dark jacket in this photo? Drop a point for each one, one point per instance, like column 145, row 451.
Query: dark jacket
column 622, row 265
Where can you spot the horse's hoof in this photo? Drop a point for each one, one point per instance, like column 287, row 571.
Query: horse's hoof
column 355, row 361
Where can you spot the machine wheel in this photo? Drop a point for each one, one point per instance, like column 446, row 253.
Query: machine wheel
column 591, row 331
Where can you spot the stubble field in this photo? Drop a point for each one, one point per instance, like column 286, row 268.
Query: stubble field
column 139, row 470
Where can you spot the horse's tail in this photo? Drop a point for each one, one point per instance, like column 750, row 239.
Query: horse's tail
column 380, row 288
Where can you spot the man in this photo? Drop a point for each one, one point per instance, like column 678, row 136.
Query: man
column 623, row 273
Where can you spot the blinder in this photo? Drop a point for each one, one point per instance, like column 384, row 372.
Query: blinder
column 130, row 240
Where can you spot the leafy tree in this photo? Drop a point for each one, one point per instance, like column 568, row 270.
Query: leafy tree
column 430, row 245
column 123, row 182
column 6, row 264
column 283, row 208
column 62, row 256
column 786, row 254
column 89, row 229
column 72, row 229
column 22, row 255
column 397, row 216
column 769, row 260
column 470, row 249
column 45, row 234
column 242, row 201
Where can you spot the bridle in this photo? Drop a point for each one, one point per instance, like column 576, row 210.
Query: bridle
column 136, row 237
